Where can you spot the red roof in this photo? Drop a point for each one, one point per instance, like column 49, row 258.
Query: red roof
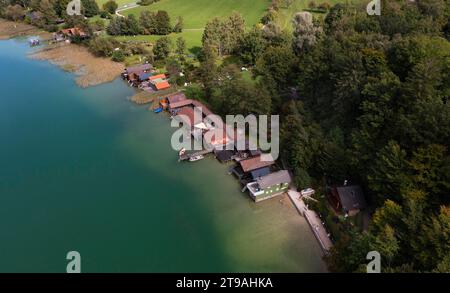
column 162, row 85
column 254, row 163
column 223, row 139
column 139, row 68
column 187, row 114
column 204, row 109
column 74, row 32
column 180, row 104
column 176, row 98
column 162, row 76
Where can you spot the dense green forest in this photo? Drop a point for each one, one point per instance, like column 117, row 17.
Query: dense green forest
column 360, row 98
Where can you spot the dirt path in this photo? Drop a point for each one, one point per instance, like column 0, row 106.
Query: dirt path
column 125, row 7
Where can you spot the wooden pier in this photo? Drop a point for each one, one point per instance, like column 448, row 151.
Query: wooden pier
column 313, row 220
column 186, row 156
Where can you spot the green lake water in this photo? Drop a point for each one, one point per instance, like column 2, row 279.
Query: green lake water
column 87, row 170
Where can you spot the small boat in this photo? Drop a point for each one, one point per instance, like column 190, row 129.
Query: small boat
column 196, row 158
column 158, row 110
column 34, row 42
column 182, row 152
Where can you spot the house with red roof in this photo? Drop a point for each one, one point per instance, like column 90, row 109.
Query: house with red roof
column 159, row 82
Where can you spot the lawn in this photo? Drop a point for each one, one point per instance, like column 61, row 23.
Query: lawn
column 196, row 13
column 193, row 39
column 286, row 14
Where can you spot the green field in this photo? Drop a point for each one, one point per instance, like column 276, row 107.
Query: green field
column 285, row 14
column 196, row 13
column 193, row 39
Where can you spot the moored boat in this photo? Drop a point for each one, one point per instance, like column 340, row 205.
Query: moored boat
column 196, row 158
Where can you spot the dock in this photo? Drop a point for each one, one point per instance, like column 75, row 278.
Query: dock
column 313, row 220
column 186, row 156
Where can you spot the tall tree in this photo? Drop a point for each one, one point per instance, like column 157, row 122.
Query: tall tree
column 110, row 6
column 252, row 45
column 305, row 31
column 89, row 8
column 180, row 47
column 162, row 48
column 208, row 67
column 163, row 26
column 178, row 28
column 147, row 19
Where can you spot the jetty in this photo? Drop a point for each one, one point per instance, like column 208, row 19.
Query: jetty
column 313, row 220
column 186, row 156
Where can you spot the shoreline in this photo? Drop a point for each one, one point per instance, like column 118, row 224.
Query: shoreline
column 90, row 70
column 78, row 60
column 10, row 29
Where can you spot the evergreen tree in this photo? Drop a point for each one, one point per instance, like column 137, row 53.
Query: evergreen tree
column 162, row 48
column 110, row 6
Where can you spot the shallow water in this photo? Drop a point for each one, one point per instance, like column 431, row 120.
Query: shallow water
column 87, row 170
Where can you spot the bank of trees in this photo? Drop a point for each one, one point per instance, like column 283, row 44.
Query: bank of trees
column 378, row 88
column 148, row 23
column 224, row 34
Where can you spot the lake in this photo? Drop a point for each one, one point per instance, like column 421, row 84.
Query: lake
column 86, row 170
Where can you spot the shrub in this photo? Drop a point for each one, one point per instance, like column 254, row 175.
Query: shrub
column 98, row 25
column 162, row 48
column 324, row 6
column 270, row 16
column 90, row 8
column 146, row 2
column 105, row 14
column 110, row 6
column 118, row 56
column 14, row 12
column 103, row 47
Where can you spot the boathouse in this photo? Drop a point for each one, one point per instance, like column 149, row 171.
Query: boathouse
column 249, row 169
column 269, row 186
column 255, row 163
column 138, row 69
column 218, row 140
column 144, row 76
column 159, row 82
column 174, row 107
column 224, row 155
column 74, row 32
column 192, row 121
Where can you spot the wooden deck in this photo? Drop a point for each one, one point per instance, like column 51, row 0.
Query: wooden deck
column 187, row 156
column 313, row 220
